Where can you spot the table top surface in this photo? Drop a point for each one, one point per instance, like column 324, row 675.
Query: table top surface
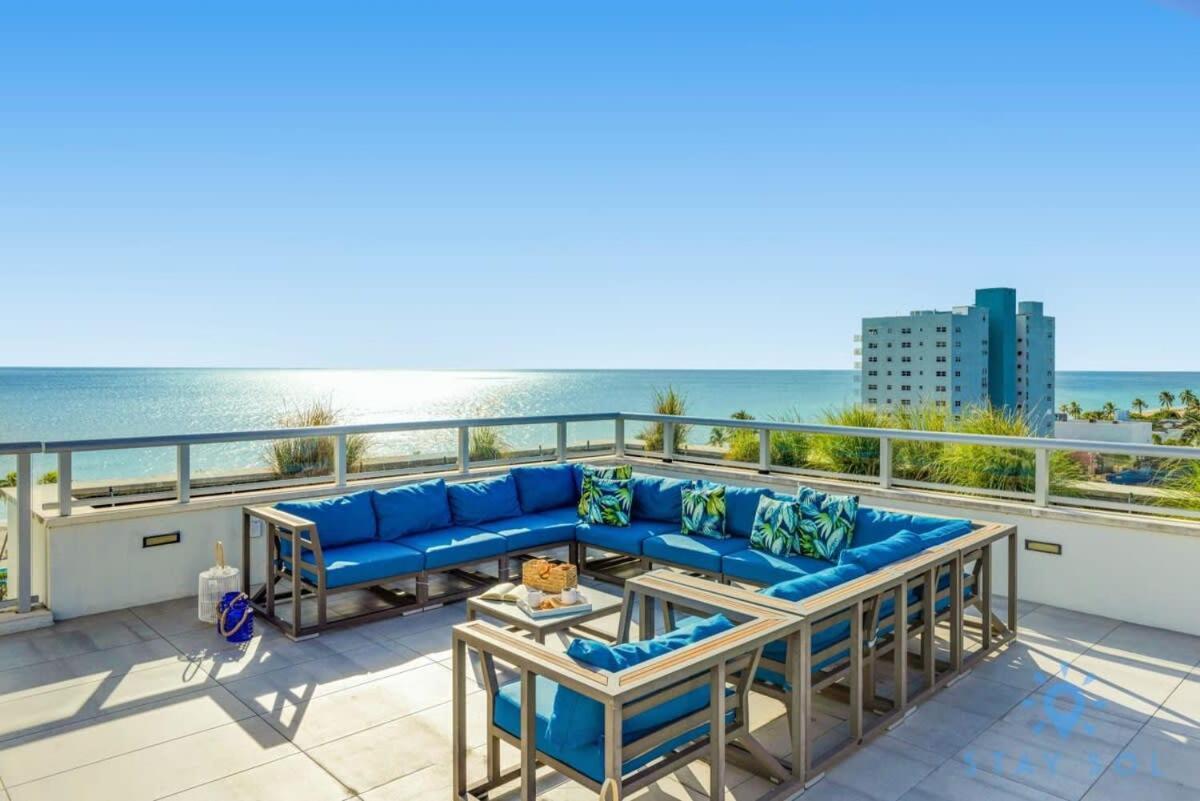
column 603, row 603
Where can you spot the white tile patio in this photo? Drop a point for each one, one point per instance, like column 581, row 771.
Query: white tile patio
column 147, row 703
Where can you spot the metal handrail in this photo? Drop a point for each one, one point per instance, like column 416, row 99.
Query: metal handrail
column 1042, row 446
column 911, row 434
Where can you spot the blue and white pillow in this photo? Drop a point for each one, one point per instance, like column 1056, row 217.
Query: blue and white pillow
column 826, row 523
column 610, row 502
column 703, row 511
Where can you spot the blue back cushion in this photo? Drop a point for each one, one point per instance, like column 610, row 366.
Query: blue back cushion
column 876, row 525
column 658, row 498
column 475, row 502
column 798, row 589
column 542, row 487
column 341, row 520
column 941, row 534
column 878, row 554
column 741, row 503
column 578, row 721
column 411, row 509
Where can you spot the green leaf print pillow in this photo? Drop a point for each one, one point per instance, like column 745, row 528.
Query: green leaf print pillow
column 704, row 511
column 826, row 523
column 611, row 502
column 776, row 526
column 620, row 472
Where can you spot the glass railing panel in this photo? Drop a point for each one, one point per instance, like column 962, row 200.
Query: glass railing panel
column 399, row 453
column 972, row 469
column 591, row 438
column 495, row 445
column 104, row 479
column 1131, row 484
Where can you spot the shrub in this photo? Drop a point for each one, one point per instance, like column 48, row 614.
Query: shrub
column 918, row 461
column 1002, row 468
column 487, row 444
column 1182, row 486
column 312, row 456
column 50, row 477
column 666, row 401
column 848, row 454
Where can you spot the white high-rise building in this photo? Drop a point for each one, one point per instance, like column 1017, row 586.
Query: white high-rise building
column 990, row 352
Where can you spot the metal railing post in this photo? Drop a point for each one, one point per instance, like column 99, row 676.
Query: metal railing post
column 668, row 430
column 619, row 436
column 183, row 473
column 464, row 449
column 885, row 462
column 764, row 450
column 24, row 533
column 1041, row 477
column 64, row 483
column 339, row 459
column 562, row 440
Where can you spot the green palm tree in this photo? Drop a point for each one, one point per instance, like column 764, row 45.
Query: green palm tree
column 1138, row 405
column 1166, row 400
column 1109, row 409
column 1189, row 399
column 1074, row 409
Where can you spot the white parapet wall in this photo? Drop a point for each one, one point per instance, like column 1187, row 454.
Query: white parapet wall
column 1122, row 566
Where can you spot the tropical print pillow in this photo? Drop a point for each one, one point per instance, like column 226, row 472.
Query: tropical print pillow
column 826, row 523
column 776, row 526
column 619, row 472
column 704, row 511
column 610, row 502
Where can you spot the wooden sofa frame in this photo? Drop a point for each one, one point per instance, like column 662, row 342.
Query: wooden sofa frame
column 852, row 679
column 302, row 534
column 726, row 660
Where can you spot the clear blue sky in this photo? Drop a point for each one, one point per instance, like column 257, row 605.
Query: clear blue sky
column 560, row 184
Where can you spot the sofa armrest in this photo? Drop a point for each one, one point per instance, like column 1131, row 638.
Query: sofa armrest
column 304, row 531
column 524, row 653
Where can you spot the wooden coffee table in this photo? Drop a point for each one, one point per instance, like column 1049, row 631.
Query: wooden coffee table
column 603, row 604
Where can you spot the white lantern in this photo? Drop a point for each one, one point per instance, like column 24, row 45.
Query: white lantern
column 214, row 583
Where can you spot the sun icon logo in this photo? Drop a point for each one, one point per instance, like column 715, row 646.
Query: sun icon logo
column 1063, row 704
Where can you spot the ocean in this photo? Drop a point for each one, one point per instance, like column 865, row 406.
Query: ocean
column 56, row 403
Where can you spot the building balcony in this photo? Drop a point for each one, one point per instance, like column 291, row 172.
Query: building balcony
column 128, row 695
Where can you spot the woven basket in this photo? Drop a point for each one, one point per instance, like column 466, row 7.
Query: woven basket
column 548, row 575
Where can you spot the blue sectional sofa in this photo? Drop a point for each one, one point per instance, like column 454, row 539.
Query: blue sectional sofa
column 377, row 537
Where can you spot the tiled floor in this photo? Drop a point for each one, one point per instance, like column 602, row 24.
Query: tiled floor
column 148, row 703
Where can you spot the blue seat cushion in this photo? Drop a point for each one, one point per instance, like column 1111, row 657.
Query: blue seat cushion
column 741, row 504
column 702, row 553
column 475, row 502
column 622, row 539
column 760, row 567
column 880, row 554
column 457, row 545
column 364, row 561
column 614, row 658
column 542, row 487
column 873, row 525
column 411, row 508
column 530, row 531
column 797, row 589
column 943, row 534
column 341, row 520
column 656, row 498
column 588, row 758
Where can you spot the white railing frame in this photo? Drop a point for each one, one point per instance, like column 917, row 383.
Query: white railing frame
column 65, row 449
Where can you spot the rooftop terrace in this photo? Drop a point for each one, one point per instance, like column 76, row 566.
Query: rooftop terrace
column 143, row 704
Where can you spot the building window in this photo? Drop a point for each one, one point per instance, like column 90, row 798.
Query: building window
column 905, row 330
column 905, row 344
column 872, row 372
column 872, row 386
column 941, row 358
column 941, row 329
column 958, row 388
column 939, row 403
column 941, row 389
column 906, row 372
column 906, row 387
column 941, row 373
column 873, row 400
column 906, row 358
column 872, row 346
column 941, row 344
column 958, row 373
column 905, row 402
column 872, row 358
column 872, row 331
column 957, row 404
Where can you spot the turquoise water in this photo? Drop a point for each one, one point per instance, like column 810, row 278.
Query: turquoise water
column 52, row 403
